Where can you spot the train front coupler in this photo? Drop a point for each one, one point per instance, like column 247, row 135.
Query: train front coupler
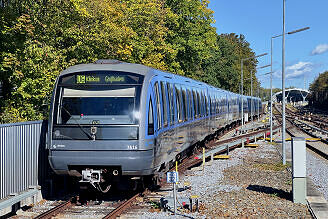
column 95, row 178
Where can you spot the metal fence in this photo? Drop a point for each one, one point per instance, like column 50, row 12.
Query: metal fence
column 22, row 156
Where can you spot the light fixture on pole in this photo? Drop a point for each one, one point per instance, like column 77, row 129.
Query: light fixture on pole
column 265, row 66
column 276, row 36
column 242, row 86
column 283, row 83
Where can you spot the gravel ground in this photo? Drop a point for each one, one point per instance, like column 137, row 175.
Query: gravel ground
column 317, row 170
column 251, row 184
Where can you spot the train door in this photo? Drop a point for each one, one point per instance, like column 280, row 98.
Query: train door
column 179, row 112
column 157, row 119
column 151, row 126
column 167, row 135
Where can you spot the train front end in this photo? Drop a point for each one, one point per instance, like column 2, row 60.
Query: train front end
column 94, row 127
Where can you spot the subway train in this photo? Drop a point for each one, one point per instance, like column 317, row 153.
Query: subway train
column 112, row 121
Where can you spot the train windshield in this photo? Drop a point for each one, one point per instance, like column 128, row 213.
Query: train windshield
column 103, row 105
column 109, row 101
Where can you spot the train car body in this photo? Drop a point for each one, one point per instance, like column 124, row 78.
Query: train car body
column 113, row 119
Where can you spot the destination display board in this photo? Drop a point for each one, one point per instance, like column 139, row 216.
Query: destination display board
column 94, row 78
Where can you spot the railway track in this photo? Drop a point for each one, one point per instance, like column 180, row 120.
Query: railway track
column 317, row 138
column 131, row 203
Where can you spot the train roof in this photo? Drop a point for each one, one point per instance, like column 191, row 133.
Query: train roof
column 116, row 65
column 109, row 65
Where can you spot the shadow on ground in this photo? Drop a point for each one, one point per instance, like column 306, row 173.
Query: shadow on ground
column 271, row 191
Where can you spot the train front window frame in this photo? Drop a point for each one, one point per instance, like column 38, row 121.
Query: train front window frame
column 150, row 118
column 108, row 100
column 100, row 105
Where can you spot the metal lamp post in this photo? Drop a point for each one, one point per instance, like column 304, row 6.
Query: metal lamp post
column 283, row 84
column 242, row 86
column 291, row 32
column 258, row 102
column 283, row 87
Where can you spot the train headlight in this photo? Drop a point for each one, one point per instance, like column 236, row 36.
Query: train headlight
column 136, row 115
column 57, row 133
column 134, row 133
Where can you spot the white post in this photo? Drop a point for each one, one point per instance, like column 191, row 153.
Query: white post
column 299, row 170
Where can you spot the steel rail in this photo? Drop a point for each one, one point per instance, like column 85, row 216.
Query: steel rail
column 314, row 149
column 121, row 207
column 54, row 211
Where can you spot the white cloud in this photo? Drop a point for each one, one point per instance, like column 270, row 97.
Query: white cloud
column 299, row 69
column 277, row 74
column 319, row 49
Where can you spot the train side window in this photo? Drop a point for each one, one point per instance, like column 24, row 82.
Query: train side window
column 184, row 100
column 158, row 107
column 206, row 106
column 202, row 103
column 194, row 103
column 164, row 105
column 210, row 107
column 181, row 105
column 150, row 118
column 213, row 105
column 177, row 98
column 189, row 105
column 170, row 102
column 198, row 104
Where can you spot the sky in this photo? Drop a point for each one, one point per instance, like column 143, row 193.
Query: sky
column 306, row 52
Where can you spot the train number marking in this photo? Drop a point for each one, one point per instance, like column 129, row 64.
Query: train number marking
column 132, row 147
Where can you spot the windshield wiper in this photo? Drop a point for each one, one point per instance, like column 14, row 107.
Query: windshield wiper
column 87, row 134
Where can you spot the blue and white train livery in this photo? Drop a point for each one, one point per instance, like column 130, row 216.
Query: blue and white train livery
column 112, row 120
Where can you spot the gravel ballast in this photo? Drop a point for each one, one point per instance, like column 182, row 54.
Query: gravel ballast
column 251, row 184
column 317, row 170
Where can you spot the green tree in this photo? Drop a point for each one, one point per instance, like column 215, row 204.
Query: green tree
column 191, row 35
column 223, row 68
column 40, row 38
column 319, row 91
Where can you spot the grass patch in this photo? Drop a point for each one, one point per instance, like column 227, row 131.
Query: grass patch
column 274, row 195
column 274, row 167
column 155, row 205
column 289, row 182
